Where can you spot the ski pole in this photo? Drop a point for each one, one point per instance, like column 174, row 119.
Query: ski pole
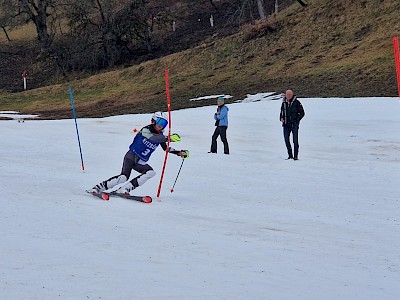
column 76, row 126
column 172, row 190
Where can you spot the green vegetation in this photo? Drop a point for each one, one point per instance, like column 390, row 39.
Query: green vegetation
column 331, row 48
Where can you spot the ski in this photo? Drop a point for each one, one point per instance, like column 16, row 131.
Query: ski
column 106, row 196
column 144, row 199
column 99, row 195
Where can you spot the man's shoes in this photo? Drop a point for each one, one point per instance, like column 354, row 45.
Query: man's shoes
column 290, row 157
column 295, row 158
column 211, row 152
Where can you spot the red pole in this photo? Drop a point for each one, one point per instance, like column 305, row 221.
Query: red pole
column 169, row 130
column 397, row 59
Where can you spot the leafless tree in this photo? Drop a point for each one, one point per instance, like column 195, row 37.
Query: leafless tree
column 243, row 10
column 103, row 33
column 4, row 23
column 43, row 14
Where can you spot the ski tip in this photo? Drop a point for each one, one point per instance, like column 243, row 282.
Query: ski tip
column 172, row 190
column 105, row 197
column 147, row 199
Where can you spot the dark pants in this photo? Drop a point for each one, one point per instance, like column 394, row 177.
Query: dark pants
column 294, row 129
column 220, row 131
column 131, row 163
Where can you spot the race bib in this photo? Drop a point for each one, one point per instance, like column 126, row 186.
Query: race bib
column 143, row 147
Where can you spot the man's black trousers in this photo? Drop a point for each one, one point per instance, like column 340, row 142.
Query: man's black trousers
column 294, row 129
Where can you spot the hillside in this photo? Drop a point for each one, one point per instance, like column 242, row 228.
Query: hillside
column 19, row 49
column 331, row 48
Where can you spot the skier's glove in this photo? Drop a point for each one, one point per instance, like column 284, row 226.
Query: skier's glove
column 184, row 154
column 175, row 137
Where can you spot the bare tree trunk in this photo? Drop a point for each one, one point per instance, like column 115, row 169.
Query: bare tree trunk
column 253, row 21
column 39, row 15
column 261, row 10
column 105, row 43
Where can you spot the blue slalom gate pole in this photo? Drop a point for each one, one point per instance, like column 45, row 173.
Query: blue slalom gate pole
column 76, row 126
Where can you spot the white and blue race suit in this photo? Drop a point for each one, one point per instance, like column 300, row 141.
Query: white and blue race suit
column 145, row 142
column 143, row 145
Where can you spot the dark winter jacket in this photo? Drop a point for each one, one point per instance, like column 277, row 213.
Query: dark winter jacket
column 291, row 111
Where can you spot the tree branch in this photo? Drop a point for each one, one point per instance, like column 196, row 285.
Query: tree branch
column 6, row 33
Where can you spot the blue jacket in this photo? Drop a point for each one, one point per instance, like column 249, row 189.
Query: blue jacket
column 222, row 117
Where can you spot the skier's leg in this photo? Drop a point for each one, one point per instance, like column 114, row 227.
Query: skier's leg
column 129, row 162
column 146, row 171
column 214, row 140
column 286, row 135
column 109, row 183
column 224, row 140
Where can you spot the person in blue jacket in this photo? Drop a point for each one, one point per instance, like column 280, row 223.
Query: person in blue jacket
column 145, row 142
column 221, row 123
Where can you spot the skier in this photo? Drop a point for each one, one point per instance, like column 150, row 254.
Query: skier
column 221, row 123
column 291, row 113
column 143, row 145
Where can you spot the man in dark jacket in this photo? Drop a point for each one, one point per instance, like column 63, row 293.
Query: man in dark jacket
column 291, row 113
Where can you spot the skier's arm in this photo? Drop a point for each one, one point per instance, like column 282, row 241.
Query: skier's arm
column 158, row 138
column 171, row 150
column 181, row 153
column 164, row 147
column 152, row 136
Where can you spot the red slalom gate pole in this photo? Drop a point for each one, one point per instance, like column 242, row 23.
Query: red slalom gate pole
column 169, row 130
column 397, row 60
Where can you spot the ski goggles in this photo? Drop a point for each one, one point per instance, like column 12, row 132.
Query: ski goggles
column 161, row 122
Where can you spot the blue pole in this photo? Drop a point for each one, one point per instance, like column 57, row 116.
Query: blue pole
column 76, row 125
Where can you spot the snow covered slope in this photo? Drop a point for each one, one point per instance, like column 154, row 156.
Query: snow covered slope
column 250, row 225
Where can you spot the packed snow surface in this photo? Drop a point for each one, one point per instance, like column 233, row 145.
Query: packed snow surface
column 249, row 225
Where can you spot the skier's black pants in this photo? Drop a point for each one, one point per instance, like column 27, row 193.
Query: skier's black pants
column 131, row 163
column 294, row 129
column 220, row 131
